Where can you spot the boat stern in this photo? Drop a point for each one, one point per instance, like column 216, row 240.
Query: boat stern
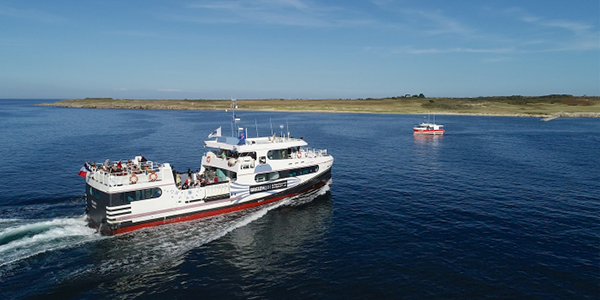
column 96, row 203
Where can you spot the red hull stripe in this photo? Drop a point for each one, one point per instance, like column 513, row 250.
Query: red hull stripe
column 211, row 213
column 428, row 131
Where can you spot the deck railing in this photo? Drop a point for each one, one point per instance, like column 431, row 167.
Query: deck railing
column 143, row 173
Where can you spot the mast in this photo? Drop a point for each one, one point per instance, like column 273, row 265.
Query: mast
column 256, row 126
column 234, row 118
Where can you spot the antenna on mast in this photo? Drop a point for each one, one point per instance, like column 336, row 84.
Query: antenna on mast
column 234, row 118
column 287, row 128
column 256, row 125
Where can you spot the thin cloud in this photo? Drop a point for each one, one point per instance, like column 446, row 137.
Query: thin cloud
column 575, row 27
column 300, row 13
column 30, row 15
column 583, row 36
column 457, row 50
column 169, row 90
column 441, row 23
column 137, row 33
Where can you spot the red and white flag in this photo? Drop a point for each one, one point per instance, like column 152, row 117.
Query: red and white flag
column 83, row 171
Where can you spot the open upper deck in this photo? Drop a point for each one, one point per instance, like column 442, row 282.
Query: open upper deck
column 116, row 174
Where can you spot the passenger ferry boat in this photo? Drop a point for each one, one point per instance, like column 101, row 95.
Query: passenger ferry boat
column 235, row 173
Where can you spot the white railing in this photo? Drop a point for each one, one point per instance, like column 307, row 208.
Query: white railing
column 217, row 189
column 311, row 153
column 144, row 173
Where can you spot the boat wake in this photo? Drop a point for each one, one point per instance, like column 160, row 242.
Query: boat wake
column 164, row 246
column 22, row 238
column 82, row 256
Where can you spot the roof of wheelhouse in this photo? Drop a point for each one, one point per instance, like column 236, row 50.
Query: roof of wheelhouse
column 254, row 144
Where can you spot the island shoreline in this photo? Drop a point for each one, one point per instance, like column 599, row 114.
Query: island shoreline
column 549, row 107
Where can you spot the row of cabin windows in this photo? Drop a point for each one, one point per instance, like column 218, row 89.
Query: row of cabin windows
column 95, row 193
column 285, row 173
column 140, row 195
column 124, row 197
column 282, row 153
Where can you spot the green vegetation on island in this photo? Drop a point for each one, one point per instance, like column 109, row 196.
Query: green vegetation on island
column 534, row 106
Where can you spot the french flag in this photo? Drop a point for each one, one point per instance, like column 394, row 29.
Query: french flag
column 83, row 171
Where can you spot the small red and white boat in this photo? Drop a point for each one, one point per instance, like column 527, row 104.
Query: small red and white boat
column 428, row 129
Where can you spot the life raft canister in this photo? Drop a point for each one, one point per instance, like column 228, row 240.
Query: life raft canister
column 152, row 176
column 133, row 179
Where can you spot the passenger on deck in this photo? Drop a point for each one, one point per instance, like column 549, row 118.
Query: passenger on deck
column 203, row 180
column 178, row 180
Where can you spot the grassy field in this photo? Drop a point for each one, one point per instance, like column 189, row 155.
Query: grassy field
column 564, row 105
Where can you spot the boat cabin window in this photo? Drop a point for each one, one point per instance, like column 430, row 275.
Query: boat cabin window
column 285, row 173
column 273, row 175
column 251, row 154
column 260, row 177
column 94, row 193
column 140, row 195
column 212, row 175
column 282, row 153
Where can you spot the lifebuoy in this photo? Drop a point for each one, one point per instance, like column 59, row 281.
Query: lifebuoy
column 133, row 179
column 299, row 154
column 208, row 159
column 152, row 176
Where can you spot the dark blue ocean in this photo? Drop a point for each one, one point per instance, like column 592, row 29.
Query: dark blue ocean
column 499, row 207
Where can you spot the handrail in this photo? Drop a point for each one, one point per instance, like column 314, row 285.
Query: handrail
column 128, row 174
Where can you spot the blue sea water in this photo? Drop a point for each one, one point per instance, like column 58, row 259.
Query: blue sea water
column 499, row 207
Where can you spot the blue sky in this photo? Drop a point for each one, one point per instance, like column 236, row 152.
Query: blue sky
column 217, row 49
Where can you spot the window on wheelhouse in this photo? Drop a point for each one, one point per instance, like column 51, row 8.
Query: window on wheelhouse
column 282, row 153
column 251, row 154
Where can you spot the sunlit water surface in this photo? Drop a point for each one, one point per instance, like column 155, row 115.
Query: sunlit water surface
column 499, row 207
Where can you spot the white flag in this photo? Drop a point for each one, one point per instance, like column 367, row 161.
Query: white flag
column 215, row 133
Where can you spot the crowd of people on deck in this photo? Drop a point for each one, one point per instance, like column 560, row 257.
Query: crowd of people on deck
column 141, row 165
column 197, row 179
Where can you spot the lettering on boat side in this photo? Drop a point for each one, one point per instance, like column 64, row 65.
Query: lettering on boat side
column 268, row 187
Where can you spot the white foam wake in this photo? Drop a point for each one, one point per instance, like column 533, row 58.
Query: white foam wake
column 27, row 238
column 167, row 244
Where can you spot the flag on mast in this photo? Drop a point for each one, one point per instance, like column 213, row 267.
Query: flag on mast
column 215, row 133
column 83, row 171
